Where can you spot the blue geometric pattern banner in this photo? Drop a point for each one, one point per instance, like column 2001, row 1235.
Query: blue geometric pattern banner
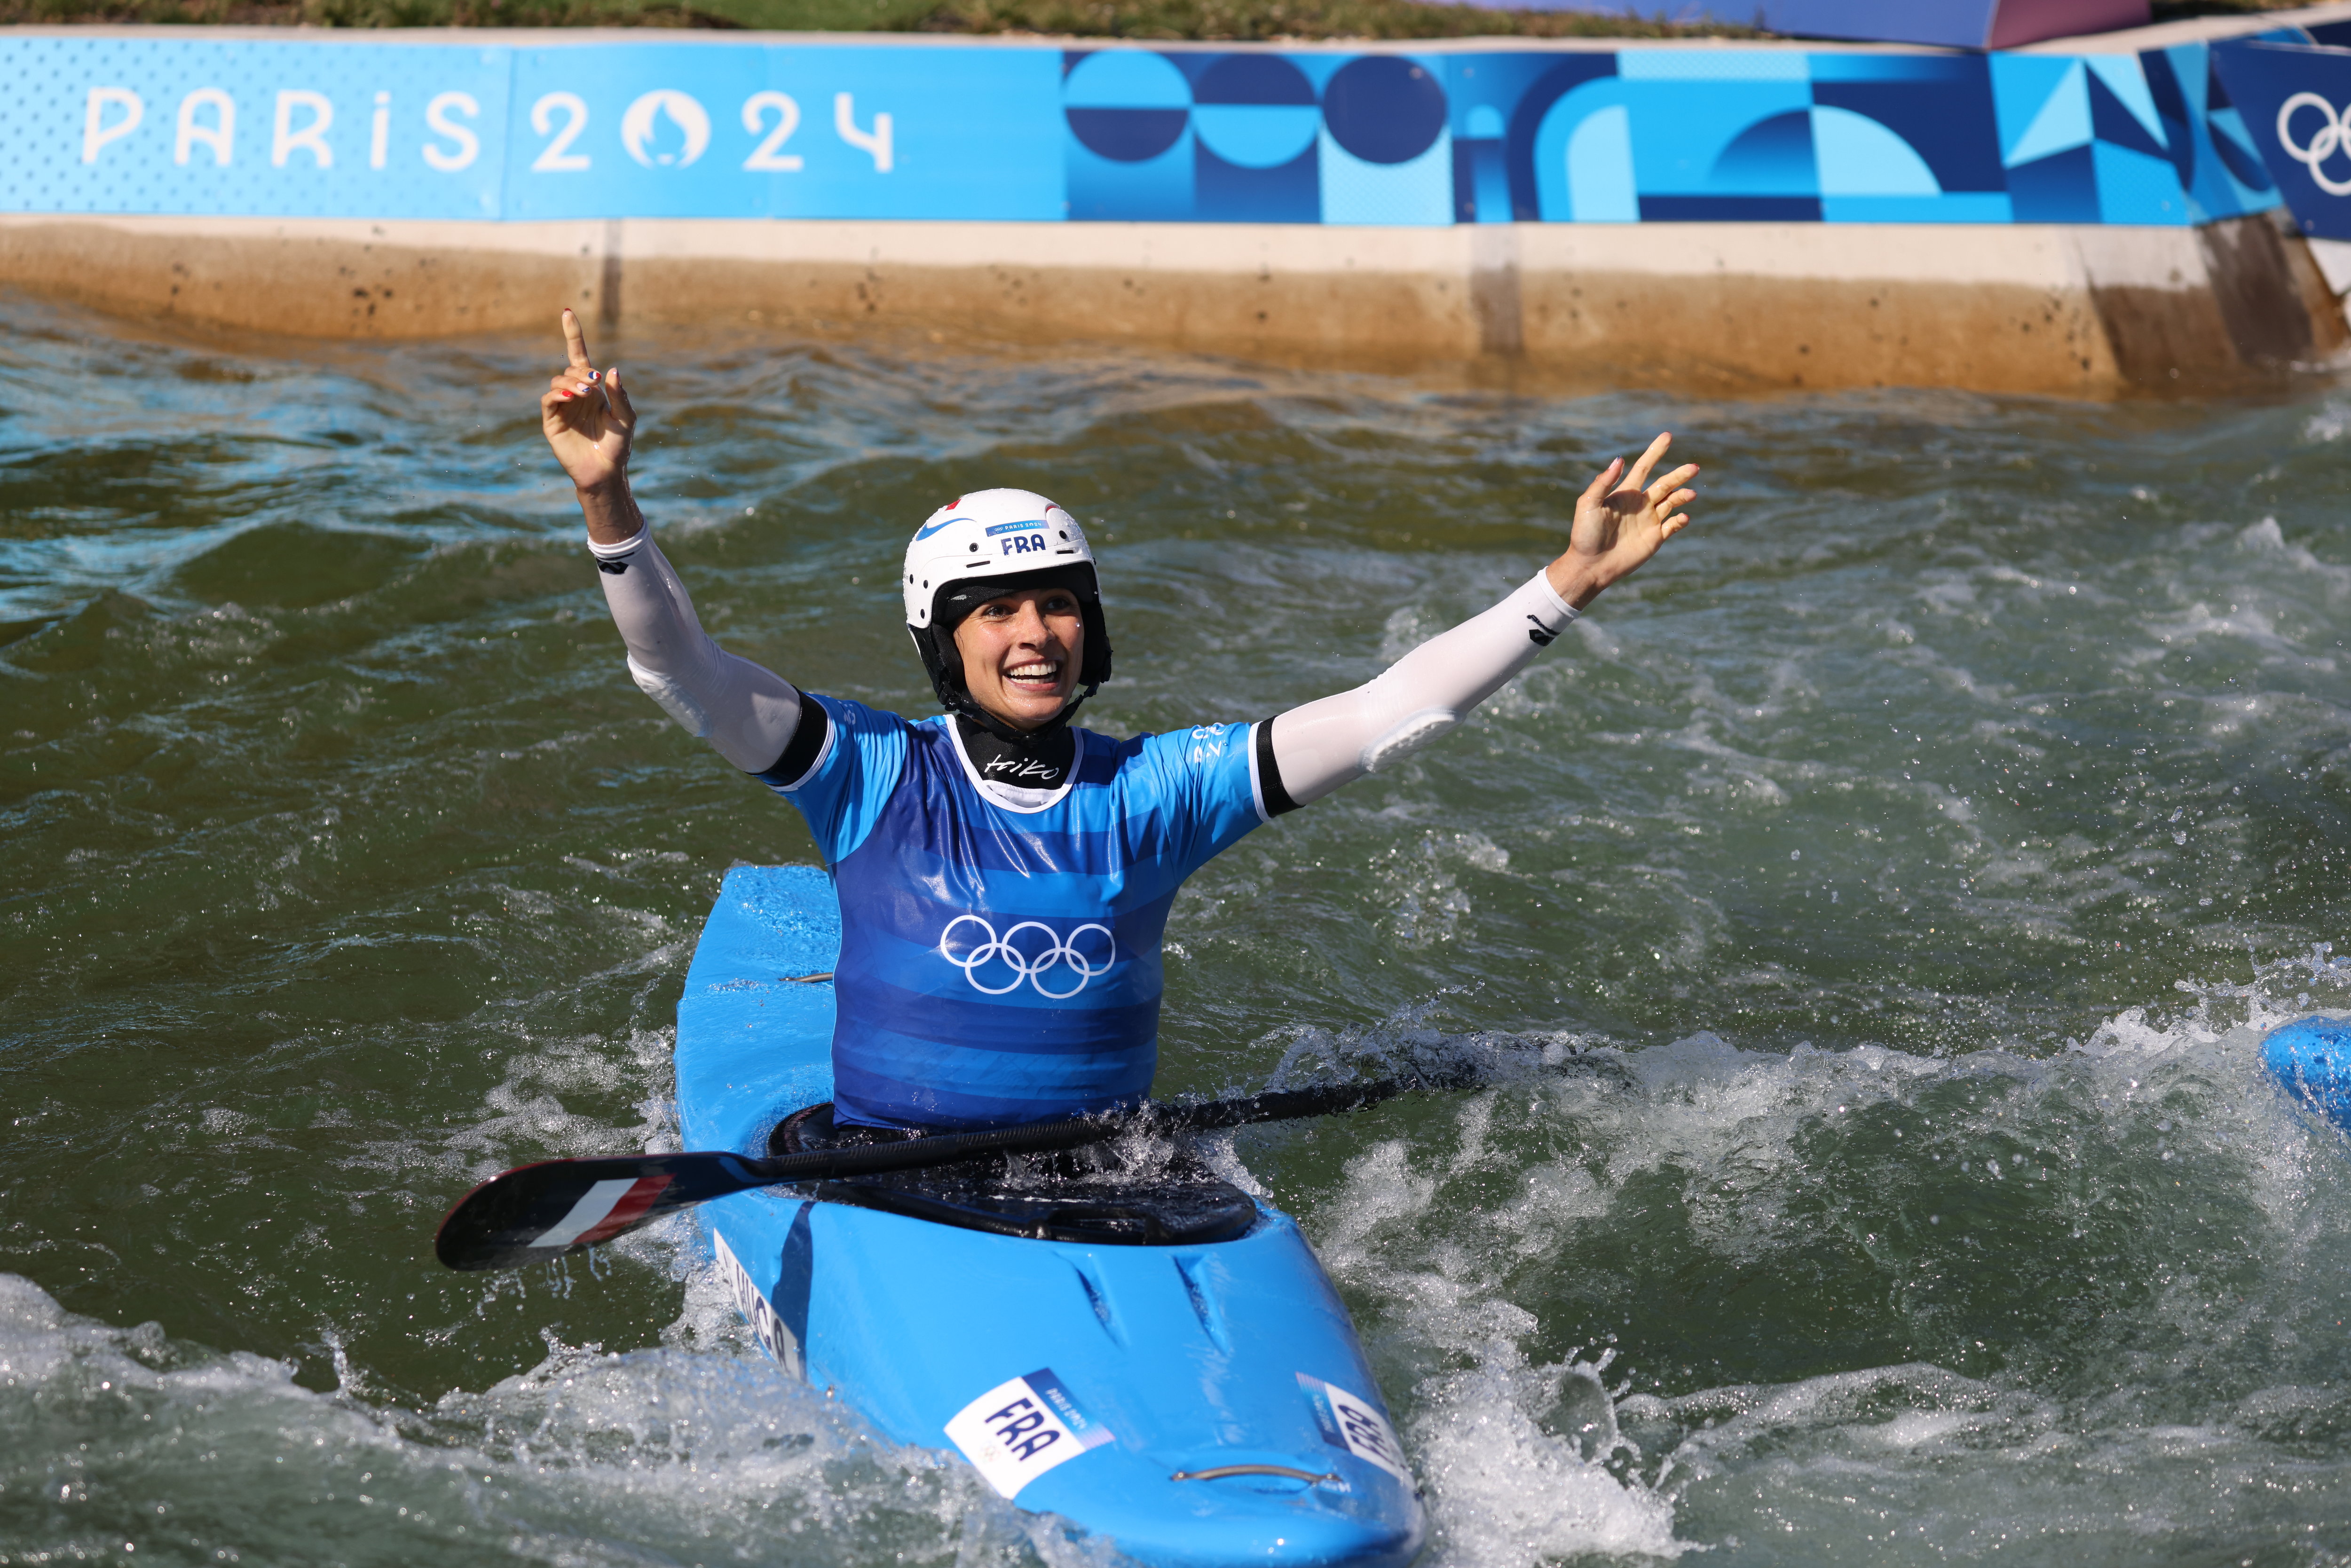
column 930, row 129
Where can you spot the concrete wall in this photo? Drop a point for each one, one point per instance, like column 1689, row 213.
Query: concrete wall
column 2093, row 312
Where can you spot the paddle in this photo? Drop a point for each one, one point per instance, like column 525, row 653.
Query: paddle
column 559, row 1206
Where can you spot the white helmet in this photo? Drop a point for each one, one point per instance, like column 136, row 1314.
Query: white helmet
column 983, row 545
column 988, row 534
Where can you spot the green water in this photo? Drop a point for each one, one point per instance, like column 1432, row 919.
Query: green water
column 1930, row 831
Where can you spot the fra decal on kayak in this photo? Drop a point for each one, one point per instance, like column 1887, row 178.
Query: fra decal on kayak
column 1018, row 1430
column 1351, row 1423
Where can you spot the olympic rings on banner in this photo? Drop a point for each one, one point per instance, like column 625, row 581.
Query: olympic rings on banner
column 2333, row 136
column 1057, row 952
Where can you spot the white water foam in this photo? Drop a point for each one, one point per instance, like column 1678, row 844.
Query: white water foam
column 167, row 1452
column 1528, row 1460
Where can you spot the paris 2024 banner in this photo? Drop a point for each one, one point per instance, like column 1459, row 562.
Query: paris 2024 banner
column 722, row 127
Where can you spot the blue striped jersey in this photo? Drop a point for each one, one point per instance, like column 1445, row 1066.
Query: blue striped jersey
column 1000, row 964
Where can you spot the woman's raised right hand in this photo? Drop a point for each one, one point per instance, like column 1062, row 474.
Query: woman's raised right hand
column 588, row 418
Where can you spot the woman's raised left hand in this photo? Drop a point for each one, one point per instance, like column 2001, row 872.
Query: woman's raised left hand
column 1619, row 526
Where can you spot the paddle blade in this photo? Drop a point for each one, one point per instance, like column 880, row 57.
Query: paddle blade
column 536, row 1212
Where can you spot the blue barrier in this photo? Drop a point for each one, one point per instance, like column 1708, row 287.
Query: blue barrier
column 2297, row 104
column 719, row 128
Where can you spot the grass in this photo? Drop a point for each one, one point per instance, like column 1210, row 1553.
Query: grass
column 371, row 13
column 1261, row 19
column 1235, row 19
column 1245, row 20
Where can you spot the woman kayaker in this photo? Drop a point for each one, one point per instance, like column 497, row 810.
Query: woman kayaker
column 1005, row 877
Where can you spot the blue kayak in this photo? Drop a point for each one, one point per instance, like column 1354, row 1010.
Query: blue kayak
column 2311, row 1058
column 1181, row 1380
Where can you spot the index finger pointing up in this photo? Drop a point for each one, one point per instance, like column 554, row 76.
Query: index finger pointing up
column 575, row 339
column 1638, row 477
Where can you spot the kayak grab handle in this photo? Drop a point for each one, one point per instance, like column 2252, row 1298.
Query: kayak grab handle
column 1288, row 1472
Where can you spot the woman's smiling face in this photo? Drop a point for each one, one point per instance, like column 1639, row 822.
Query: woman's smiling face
column 1021, row 653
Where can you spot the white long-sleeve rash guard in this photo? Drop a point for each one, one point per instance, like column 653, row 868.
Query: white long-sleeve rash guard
column 749, row 714
column 746, row 711
column 1337, row 739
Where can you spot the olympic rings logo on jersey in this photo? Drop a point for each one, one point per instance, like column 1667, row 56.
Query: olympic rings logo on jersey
column 2333, row 136
column 1048, row 962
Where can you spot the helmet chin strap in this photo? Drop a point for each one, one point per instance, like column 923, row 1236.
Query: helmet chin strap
column 943, row 664
column 960, row 702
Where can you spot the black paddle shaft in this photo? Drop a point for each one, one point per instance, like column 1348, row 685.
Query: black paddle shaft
column 556, row 1207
